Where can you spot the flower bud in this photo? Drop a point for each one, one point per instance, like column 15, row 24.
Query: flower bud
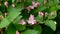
column 6, row 4
column 40, row 14
column 17, row 32
column 5, row 14
column 13, row 5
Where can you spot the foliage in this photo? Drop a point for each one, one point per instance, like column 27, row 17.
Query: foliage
column 28, row 16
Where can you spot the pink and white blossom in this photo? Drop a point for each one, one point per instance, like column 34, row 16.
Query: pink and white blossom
column 40, row 14
column 6, row 4
column 22, row 22
column 13, row 5
column 17, row 32
column 31, row 20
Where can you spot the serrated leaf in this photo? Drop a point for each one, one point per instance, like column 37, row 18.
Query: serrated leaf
column 51, row 24
column 30, row 32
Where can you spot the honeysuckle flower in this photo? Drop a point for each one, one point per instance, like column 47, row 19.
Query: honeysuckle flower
column 36, row 4
column 22, row 22
column 13, row 5
column 30, row 7
column 6, row 4
column 17, row 32
column 40, row 14
column 33, row 3
column 31, row 20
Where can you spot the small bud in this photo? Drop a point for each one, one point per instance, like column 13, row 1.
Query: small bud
column 13, row 5
column 5, row 14
column 40, row 14
column 46, row 14
column 6, row 4
column 17, row 32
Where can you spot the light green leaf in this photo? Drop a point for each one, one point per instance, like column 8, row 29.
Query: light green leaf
column 51, row 24
column 11, row 16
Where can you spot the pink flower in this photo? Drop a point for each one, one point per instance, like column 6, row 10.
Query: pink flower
column 6, row 4
column 36, row 4
column 17, row 32
column 40, row 14
column 22, row 22
column 31, row 20
column 30, row 8
column 13, row 5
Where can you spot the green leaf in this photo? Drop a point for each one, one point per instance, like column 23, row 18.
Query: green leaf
column 18, row 8
column 13, row 1
column 39, row 19
column 11, row 16
column 51, row 24
column 37, row 28
column 41, row 1
column 17, row 19
column 4, row 23
column 20, row 27
column 30, row 32
column 11, row 29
